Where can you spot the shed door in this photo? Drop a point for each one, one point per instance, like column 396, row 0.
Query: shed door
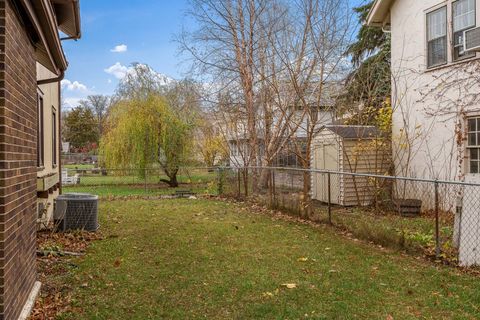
column 327, row 159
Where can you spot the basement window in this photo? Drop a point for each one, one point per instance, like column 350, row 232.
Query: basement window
column 473, row 145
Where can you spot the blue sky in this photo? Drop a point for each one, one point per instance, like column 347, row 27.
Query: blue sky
column 116, row 33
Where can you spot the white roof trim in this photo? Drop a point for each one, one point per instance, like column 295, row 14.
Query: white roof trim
column 379, row 15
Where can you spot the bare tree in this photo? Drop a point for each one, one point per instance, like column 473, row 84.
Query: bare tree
column 140, row 82
column 224, row 48
column 315, row 64
column 99, row 105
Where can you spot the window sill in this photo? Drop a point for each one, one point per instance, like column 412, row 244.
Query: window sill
column 451, row 64
column 40, row 168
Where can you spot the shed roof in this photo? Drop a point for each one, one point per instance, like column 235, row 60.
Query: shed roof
column 354, row 132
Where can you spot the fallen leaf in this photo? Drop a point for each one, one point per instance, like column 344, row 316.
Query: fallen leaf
column 117, row 263
column 303, row 259
column 289, row 285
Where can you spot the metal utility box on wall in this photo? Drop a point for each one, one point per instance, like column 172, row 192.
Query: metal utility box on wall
column 347, row 149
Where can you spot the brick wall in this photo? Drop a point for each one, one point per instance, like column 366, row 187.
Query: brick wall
column 17, row 163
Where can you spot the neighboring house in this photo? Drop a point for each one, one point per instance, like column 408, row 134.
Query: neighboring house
column 239, row 138
column 436, row 108
column 32, row 64
column 436, row 104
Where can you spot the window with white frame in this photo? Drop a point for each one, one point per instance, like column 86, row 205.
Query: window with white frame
column 437, row 37
column 473, row 145
column 463, row 16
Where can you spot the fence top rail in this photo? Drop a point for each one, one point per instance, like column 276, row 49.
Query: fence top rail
column 368, row 175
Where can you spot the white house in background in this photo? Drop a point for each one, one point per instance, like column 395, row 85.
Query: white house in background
column 239, row 143
column 436, row 107
column 433, row 86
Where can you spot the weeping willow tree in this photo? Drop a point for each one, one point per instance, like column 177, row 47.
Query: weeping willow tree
column 146, row 133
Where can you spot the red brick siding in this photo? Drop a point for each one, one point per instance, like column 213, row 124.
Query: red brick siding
column 18, row 118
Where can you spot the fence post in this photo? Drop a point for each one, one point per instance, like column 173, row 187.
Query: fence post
column 246, row 181
column 437, row 223
column 274, row 189
column 145, row 179
column 220, row 181
column 239, row 182
column 329, row 188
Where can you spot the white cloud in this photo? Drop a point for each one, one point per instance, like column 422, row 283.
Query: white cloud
column 70, row 103
column 118, row 70
column 120, row 48
column 73, row 86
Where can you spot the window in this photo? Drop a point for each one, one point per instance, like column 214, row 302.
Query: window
column 40, row 137
column 473, row 145
column 437, row 37
column 463, row 12
column 54, row 137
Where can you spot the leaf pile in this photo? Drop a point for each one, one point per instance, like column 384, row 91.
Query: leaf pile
column 54, row 269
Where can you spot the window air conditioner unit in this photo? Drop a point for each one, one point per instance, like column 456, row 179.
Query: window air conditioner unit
column 472, row 40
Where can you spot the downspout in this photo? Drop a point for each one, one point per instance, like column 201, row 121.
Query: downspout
column 52, row 80
column 59, row 143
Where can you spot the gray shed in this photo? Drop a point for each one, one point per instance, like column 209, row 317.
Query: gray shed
column 347, row 149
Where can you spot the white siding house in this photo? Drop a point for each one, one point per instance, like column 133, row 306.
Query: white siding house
column 436, row 113
column 436, row 102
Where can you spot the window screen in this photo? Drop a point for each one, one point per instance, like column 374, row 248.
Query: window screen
column 463, row 19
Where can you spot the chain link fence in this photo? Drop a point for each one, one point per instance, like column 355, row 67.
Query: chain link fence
column 115, row 182
column 438, row 218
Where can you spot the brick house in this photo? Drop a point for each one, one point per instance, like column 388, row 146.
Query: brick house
column 31, row 68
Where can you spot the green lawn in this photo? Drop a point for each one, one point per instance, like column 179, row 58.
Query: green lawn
column 78, row 166
column 129, row 178
column 203, row 259
column 139, row 190
column 132, row 185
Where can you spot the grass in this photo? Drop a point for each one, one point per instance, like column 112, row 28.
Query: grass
column 204, row 259
column 386, row 228
column 138, row 190
column 130, row 185
column 415, row 234
column 130, row 179
column 78, row 166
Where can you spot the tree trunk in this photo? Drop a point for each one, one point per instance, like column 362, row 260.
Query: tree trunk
column 172, row 180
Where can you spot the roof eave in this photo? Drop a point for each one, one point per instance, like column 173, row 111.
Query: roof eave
column 42, row 17
column 379, row 15
column 70, row 12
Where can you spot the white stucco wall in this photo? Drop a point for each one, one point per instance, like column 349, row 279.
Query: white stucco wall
column 428, row 114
